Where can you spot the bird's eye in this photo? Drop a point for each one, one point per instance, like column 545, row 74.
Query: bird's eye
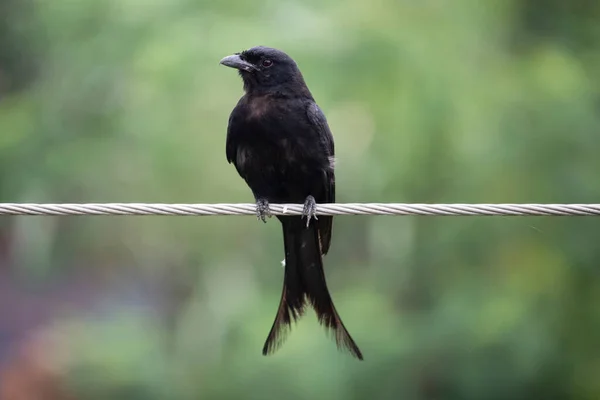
column 267, row 63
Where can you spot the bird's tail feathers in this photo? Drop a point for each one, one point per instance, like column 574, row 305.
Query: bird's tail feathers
column 317, row 292
column 305, row 281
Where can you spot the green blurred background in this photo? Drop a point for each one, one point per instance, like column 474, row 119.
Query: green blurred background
column 429, row 101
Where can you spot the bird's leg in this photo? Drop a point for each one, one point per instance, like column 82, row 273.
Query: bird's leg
column 262, row 209
column 310, row 209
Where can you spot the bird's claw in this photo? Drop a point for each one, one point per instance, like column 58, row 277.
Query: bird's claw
column 310, row 209
column 262, row 209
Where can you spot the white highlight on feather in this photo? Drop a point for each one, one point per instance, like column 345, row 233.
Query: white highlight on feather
column 283, row 263
column 332, row 162
column 242, row 156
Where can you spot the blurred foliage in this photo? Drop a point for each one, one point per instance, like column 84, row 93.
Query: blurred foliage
column 468, row 101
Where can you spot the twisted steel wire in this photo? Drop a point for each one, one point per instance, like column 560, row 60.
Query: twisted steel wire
column 296, row 209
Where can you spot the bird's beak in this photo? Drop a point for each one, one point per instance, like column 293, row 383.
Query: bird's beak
column 235, row 61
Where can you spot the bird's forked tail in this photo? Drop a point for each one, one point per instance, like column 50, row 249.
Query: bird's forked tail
column 304, row 281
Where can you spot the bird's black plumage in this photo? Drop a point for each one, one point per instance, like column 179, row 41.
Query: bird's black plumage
column 280, row 143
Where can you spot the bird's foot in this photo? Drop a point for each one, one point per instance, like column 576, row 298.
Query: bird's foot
column 262, row 209
column 310, row 209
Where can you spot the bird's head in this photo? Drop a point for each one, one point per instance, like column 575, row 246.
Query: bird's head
column 265, row 68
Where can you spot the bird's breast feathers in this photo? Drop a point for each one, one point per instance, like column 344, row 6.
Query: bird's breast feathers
column 258, row 106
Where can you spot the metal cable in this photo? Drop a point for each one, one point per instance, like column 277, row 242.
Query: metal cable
column 296, row 209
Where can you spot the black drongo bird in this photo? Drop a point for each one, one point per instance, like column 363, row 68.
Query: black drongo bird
column 280, row 143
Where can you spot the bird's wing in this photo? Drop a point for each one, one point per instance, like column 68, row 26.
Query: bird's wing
column 319, row 123
column 231, row 143
column 235, row 131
